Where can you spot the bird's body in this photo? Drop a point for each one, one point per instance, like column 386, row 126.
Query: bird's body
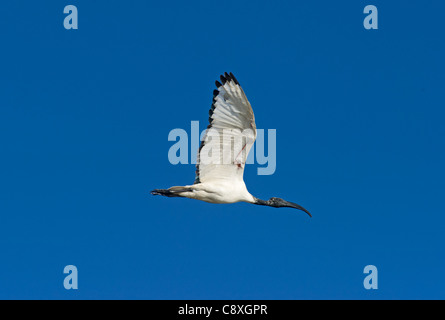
column 216, row 192
column 223, row 152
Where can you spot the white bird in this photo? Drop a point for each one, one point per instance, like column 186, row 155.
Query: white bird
column 223, row 152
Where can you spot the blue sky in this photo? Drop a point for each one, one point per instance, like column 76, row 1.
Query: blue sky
column 84, row 120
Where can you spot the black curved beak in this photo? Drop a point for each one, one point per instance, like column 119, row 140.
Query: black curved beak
column 297, row 206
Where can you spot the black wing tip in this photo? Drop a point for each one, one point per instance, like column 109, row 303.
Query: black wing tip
column 224, row 78
column 233, row 78
column 230, row 77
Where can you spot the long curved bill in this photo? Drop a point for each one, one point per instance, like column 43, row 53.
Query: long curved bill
column 297, row 206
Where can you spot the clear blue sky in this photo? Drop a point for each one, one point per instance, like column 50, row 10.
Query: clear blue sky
column 84, row 120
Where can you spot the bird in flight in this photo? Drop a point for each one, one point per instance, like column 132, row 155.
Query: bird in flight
column 223, row 152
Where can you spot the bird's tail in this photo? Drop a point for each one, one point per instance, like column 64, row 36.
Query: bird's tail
column 170, row 192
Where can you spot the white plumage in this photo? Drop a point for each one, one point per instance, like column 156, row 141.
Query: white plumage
column 223, row 152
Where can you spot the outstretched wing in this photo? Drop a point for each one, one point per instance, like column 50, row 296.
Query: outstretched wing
column 229, row 136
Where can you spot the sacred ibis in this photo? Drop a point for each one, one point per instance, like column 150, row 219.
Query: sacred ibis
column 223, row 152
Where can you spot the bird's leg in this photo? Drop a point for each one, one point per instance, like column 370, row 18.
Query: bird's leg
column 170, row 192
column 163, row 192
